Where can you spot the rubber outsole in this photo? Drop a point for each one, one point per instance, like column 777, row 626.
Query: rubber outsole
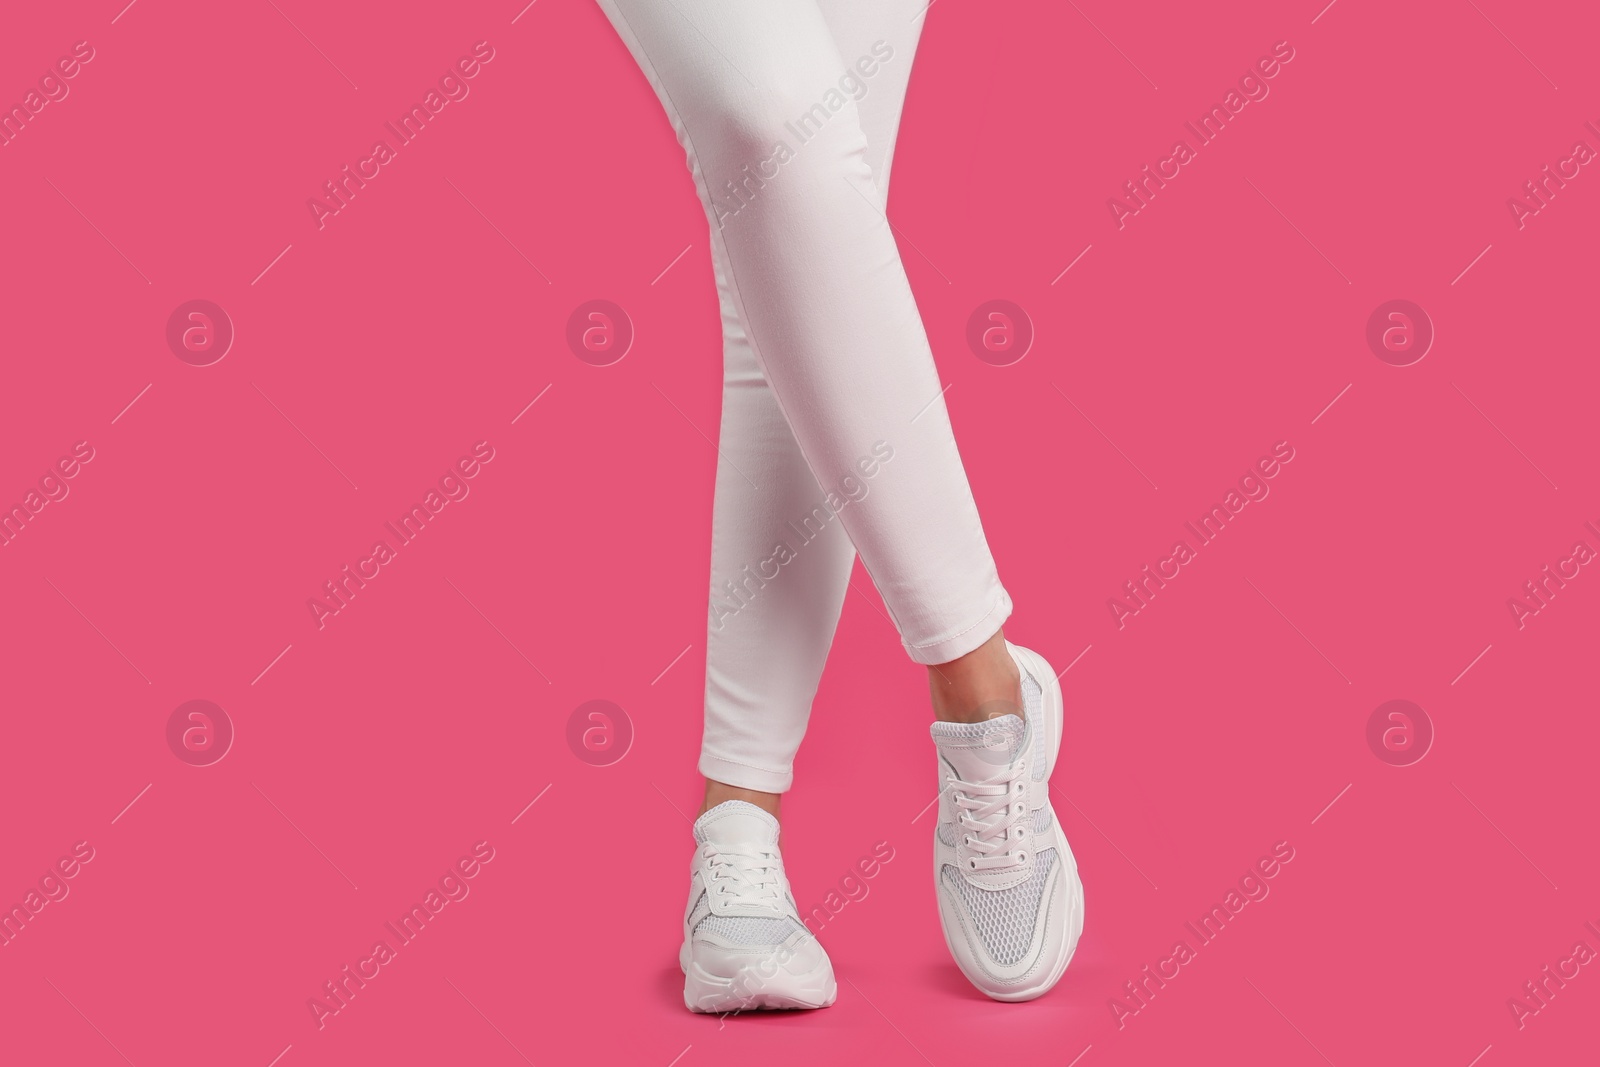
column 748, row 989
column 1074, row 931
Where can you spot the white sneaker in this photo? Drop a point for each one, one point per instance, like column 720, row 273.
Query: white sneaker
column 1009, row 897
column 744, row 945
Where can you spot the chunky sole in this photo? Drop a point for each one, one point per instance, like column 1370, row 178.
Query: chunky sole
column 749, row 989
column 1046, row 982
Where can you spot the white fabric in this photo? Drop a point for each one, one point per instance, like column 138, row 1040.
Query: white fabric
column 1004, row 918
column 1033, row 708
column 739, row 889
column 748, row 930
column 987, row 796
column 743, row 943
column 827, row 368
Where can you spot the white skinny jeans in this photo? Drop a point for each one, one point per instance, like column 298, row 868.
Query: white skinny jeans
column 834, row 436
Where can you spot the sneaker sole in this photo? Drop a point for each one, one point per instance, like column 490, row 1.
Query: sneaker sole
column 1074, row 931
column 716, row 994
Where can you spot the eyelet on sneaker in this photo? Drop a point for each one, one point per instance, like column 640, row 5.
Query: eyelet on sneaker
column 966, row 839
column 972, row 864
column 1021, row 855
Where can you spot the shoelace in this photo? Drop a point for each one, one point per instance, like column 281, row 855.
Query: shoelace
column 990, row 814
column 749, row 877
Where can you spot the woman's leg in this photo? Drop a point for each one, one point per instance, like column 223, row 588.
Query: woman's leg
column 812, row 269
column 768, row 638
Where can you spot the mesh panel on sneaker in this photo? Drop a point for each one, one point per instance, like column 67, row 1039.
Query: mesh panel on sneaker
column 1004, row 917
column 947, row 834
column 1005, row 730
column 1042, row 820
column 749, row 929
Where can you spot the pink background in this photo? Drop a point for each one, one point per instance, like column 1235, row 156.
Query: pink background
column 1224, row 718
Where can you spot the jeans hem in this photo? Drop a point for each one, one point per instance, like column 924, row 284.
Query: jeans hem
column 966, row 639
column 744, row 776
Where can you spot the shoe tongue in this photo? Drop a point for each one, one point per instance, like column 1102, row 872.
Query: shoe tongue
column 981, row 751
column 737, row 825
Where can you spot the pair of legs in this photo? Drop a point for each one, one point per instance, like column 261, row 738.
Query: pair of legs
column 834, row 439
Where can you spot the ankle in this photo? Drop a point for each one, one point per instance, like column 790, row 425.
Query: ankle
column 722, row 792
column 982, row 685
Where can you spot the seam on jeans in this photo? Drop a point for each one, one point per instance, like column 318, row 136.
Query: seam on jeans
column 1004, row 596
